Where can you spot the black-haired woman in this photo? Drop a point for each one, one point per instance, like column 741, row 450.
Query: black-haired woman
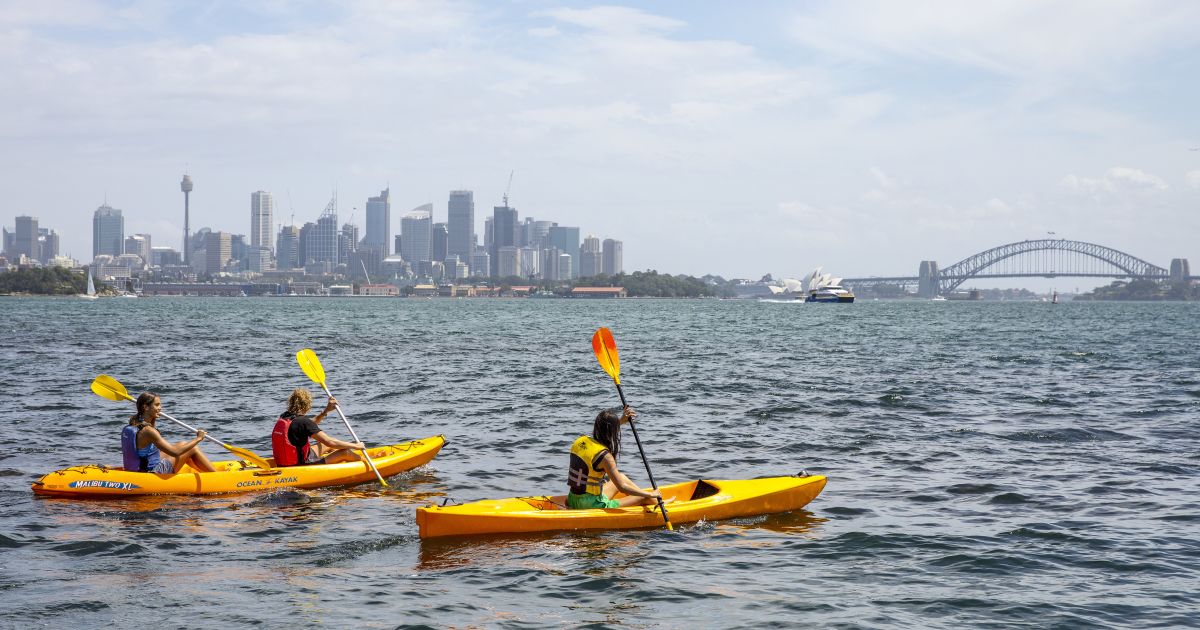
column 594, row 459
column 145, row 450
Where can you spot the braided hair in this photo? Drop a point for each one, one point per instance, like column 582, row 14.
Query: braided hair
column 143, row 403
column 607, row 431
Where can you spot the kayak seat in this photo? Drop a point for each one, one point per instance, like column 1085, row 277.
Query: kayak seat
column 703, row 490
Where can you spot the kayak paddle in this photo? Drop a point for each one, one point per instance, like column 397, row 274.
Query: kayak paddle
column 108, row 387
column 605, row 348
column 312, row 368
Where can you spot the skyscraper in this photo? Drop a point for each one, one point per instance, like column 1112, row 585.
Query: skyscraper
column 139, row 244
column 287, row 248
column 590, row 258
column 460, row 223
column 25, row 239
column 439, row 242
column 219, row 251
column 186, row 187
column 262, row 212
column 379, row 222
column 416, row 234
column 613, row 257
column 108, row 232
column 322, row 245
column 566, row 240
column 504, row 233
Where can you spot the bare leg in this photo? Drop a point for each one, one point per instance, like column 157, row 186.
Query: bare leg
column 194, row 458
column 342, row 455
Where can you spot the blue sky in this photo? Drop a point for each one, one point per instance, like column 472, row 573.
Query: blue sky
column 728, row 138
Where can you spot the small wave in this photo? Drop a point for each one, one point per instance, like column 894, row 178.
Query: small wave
column 1066, row 435
column 100, row 547
column 1009, row 498
column 972, row 488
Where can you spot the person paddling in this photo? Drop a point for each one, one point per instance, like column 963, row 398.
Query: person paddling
column 289, row 438
column 144, row 449
column 593, row 459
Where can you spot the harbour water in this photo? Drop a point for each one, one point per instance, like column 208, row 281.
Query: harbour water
column 989, row 464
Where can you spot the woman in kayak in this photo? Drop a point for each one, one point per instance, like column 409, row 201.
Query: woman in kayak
column 144, row 449
column 595, row 458
column 289, row 438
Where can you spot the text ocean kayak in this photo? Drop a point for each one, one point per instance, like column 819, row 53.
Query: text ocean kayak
column 709, row 499
column 236, row 475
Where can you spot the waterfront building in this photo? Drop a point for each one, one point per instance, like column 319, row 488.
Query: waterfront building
column 591, row 259
column 460, row 225
column 416, row 234
column 379, row 222
column 287, row 248
column 139, row 244
column 262, row 213
column 566, row 239
column 509, row 261
column 439, row 242
column 614, row 255
column 504, row 234
column 218, row 252
column 108, row 232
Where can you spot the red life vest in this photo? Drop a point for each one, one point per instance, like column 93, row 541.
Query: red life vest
column 286, row 453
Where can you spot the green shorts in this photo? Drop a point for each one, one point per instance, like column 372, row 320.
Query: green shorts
column 590, row 501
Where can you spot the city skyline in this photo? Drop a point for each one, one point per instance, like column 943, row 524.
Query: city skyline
column 861, row 136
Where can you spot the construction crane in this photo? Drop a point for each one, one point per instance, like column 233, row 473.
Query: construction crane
column 507, row 188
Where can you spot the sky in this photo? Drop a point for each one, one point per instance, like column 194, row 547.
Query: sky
column 736, row 139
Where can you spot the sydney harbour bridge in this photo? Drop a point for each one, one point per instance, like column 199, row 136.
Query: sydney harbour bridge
column 1043, row 258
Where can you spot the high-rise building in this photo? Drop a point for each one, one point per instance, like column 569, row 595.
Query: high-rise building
column 48, row 243
column 591, row 259
column 460, row 225
column 186, row 187
column 108, row 232
column 439, row 242
column 25, row 239
column 287, row 248
column 347, row 242
column 302, row 247
column 530, row 262
column 614, row 253
column 510, row 261
column 416, row 234
column 139, row 244
column 262, row 217
column 536, row 233
column 504, row 234
column 379, row 222
column 488, row 232
column 481, row 263
column 566, row 240
column 321, row 247
column 218, row 248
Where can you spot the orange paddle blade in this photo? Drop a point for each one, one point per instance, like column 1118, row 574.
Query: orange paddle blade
column 605, row 348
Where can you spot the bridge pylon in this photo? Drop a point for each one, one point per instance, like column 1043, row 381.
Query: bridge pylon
column 928, row 279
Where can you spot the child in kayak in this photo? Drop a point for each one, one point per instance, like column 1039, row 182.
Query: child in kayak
column 144, row 449
column 593, row 459
column 289, row 438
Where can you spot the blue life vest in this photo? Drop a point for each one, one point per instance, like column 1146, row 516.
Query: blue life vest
column 133, row 458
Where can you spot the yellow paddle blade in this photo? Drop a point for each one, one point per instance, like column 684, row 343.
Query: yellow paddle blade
column 108, row 387
column 605, row 348
column 311, row 365
column 249, row 456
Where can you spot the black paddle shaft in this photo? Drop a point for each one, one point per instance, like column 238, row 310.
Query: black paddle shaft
column 642, row 451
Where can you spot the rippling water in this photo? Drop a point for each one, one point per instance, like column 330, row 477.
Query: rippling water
column 990, row 464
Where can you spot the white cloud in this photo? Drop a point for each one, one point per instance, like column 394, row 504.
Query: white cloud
column 1115, row 180
column 1193, row 179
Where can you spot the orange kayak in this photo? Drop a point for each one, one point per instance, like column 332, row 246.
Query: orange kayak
column 708, row 499
column 93, row 480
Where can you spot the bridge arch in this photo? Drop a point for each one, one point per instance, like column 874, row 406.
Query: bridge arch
column 950, row 278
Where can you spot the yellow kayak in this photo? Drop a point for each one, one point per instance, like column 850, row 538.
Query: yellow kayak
column 708, row 499
column 235, row 476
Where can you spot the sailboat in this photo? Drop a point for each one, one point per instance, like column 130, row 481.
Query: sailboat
column 91, row 290
column 1054, row 297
